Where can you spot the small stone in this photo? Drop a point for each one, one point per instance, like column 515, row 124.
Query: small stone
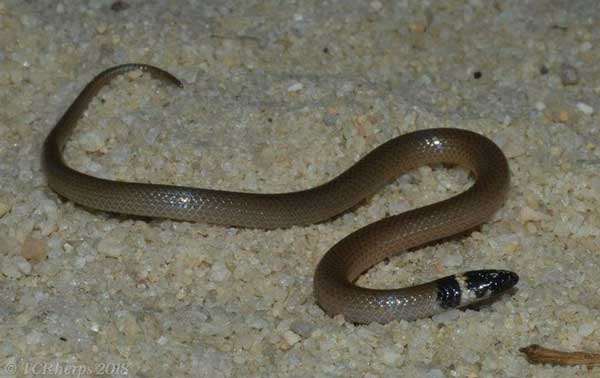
column 101, row 28
column 23, row 266
column 469, row 355
column 289, row 339
column 376, row 5
column 539, row 106
column 528, row 214
column 329, row 120
column 7, row 349
column 586, row 329
column 512, row 142
column 10, row 270
column 568, row 74
column 302, row 328
column 446, row 317
column 131, row 329
column 49, row 224
column 511, row 247
column 219, row 272
column 563, row 116
column 417, row 27
column 390, row 356
column 4, row 208
column 452, row 260
column 91, row 141
column 586, row 46
column 435, row 373
column 257, row 323
column 110, row 247
column 585, row 108
column 399, row 206
column 34, row 249
column 35, row 337
column 133, row 75
column 555, row 151
column 295, row 87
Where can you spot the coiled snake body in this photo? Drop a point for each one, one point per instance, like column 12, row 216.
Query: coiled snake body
column 345, row 261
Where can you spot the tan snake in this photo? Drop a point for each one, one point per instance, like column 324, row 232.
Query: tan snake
column 334, row 278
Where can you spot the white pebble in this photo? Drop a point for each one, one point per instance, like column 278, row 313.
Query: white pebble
column 34, row 337
column 295, row 87
column 133, row 75
column 23, row 265
column 111, row 247
column 219, row 272
column 91, row 141
column 290, row 338
column 398, row 207
column 446, row 317
column 452, row 260
column 390, row 356
column 376, row 5
column 256, row 322
column 152, row 134
column 7, row 349
column 162, row 340
column 586, row 329
column 586, row 46
column 529, row 214
column 539, row 106
column 10, row 270
column 469, row 356
column 585, row 108
column 435, row 373
column 48, row 207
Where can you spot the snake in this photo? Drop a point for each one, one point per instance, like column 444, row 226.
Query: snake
column 334, row 281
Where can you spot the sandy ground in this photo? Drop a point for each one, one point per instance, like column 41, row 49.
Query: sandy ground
column 281, row 96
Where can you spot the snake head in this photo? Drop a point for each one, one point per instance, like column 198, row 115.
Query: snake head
column 474, row 286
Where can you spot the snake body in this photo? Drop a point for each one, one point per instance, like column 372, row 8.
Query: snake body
column 335, row 274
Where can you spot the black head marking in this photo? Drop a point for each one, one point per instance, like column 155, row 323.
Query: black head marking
column 448, row 293
column 489, row 282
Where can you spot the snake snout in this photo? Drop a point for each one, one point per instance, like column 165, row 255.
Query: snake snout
column 486, row 283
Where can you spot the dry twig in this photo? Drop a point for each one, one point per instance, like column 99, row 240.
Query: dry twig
column 539, row 355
